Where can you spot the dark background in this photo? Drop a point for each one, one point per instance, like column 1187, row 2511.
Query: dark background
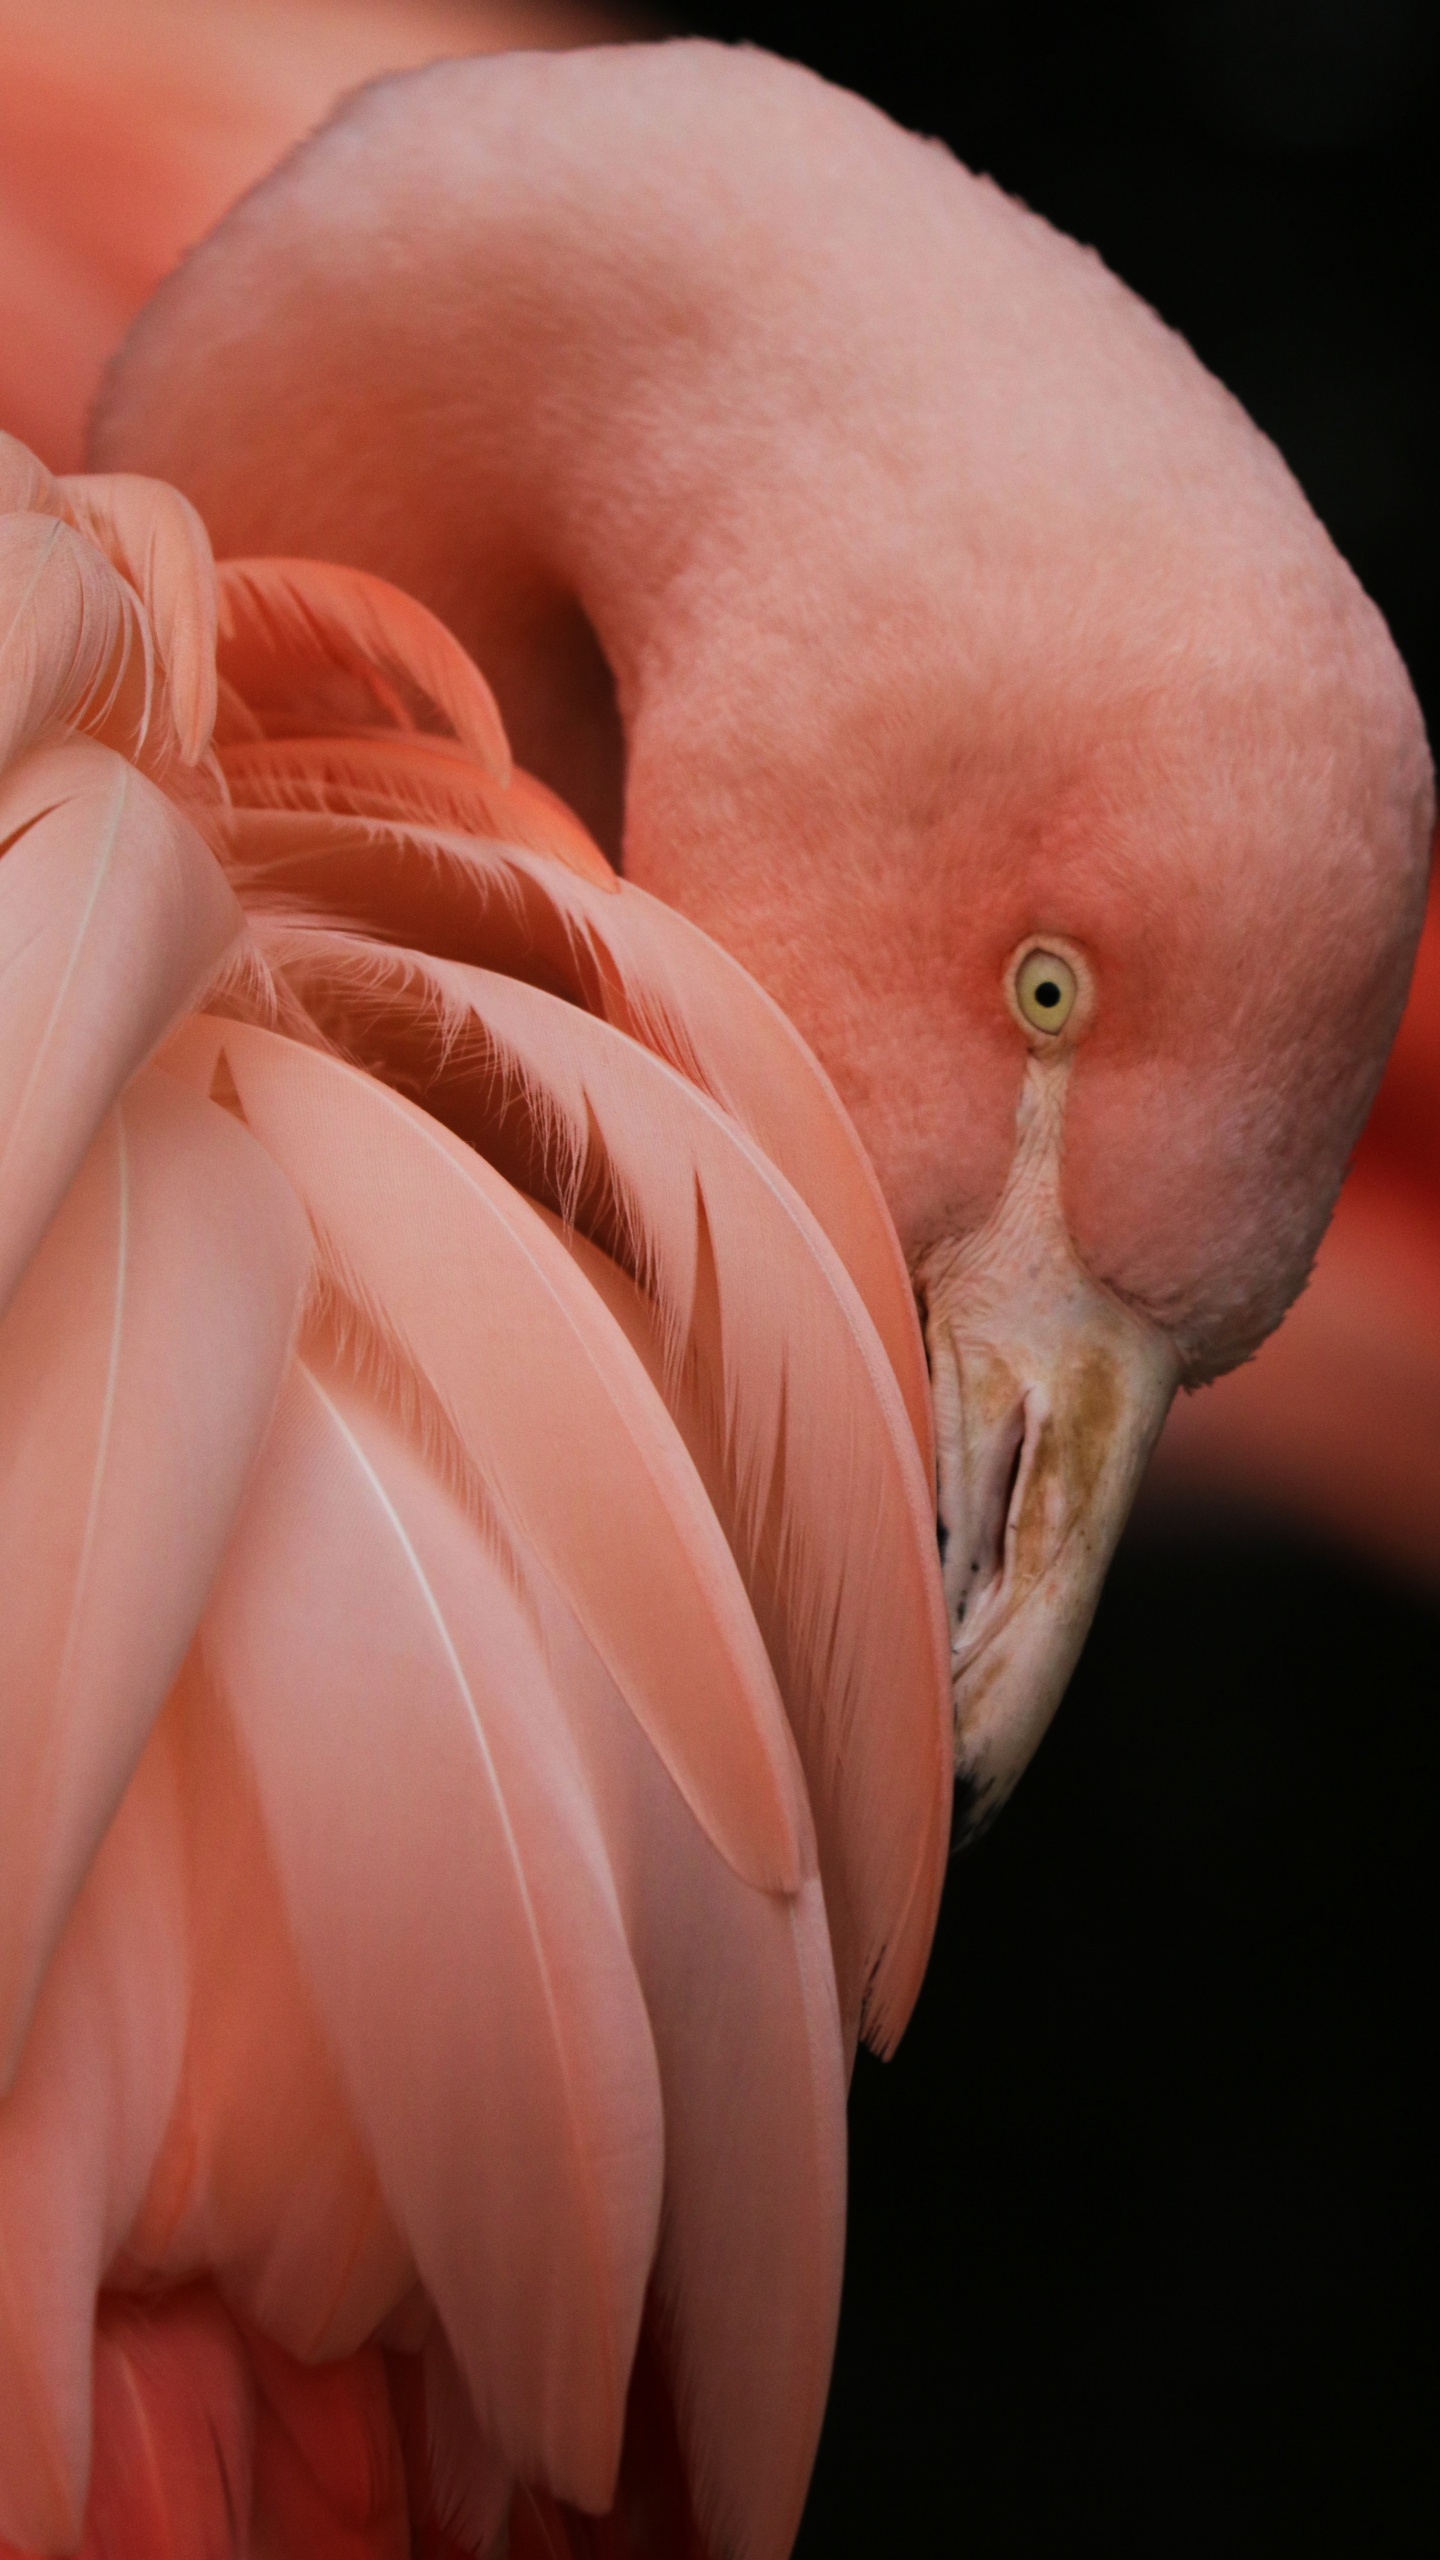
column 1141, row 2227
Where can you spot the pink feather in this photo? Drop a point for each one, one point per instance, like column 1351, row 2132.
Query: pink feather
column 488, row 2009
column 741, row 1999
column 403, row 778
column 157, row 542
column 75, row 646
column 479, row 1994
column 79, row 2135
column 290, row 629
column 171, row 1278
column 175, row 2427
column 26, row 487
column 112, row 916
column 264, row 2179
column 554, row 1410
column 771, row 1365
column 635, row 963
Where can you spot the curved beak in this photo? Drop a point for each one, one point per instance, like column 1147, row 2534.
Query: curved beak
column 1049, row 1397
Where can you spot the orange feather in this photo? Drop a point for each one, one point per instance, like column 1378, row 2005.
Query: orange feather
column 294, row 633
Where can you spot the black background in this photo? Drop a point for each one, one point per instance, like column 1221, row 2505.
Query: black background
column 1140, row 2254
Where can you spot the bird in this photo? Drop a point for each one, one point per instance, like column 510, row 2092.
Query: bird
column 579, row 1329
column 1336, row 1419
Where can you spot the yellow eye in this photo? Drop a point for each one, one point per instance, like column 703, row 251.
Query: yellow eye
column 1045, row 991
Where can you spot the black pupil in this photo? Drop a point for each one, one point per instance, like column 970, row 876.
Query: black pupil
column 1047, row 993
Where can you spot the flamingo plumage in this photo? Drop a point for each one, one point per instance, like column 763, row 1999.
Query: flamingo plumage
column 487, row 1716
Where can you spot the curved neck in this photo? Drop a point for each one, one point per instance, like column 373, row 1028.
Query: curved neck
column 519, row 335
column 909, row 585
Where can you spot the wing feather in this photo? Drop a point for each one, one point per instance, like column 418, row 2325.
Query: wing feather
column 75, row 646
column 289, row 628
column 450, row 1901
column 26, row 487
column 155, row 539
column 265, row 2180
column 741, row 1999
column 404, row 779
column 556, row 1413
column 775, row 1374
column 79, row 2135
column 113, row 914
column 628, row 959
column 139, row 1363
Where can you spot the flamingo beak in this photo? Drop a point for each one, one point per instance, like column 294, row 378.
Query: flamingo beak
column 1049, row 1396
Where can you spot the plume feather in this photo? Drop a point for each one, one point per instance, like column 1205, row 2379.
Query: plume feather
column 154, row 537
column 75, row 646
column 289, row 628
column 79, row 2134
column 554, row 1411
column 26, row 487
column 112, row 916
column 741, row 1998
column 478, row 1993
column 405, row 779
column 774, row 1372
column 636, row 964
column 139, row 1362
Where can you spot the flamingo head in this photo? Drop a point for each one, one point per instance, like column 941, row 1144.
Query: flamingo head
column 959, row 656
column 1105, row 945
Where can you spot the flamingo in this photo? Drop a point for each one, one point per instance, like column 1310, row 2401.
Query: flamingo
column 1337, row 1417
column 483, row 1690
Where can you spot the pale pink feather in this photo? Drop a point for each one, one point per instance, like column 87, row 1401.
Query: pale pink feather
column 112, row 916
column 171, row 1277
column 405, row 777
column 75, row 647
column 771, row 1365
column 154, row 537
column 264, row 2179
column 478, row 1990
column 129, row 656
column 515, row 1761
column 741, row 1998
column 553, row 1408
column 26, row 487
column 79, row 2135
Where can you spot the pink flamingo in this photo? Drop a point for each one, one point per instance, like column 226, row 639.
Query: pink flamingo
column 129, row 129
column 482, row 1704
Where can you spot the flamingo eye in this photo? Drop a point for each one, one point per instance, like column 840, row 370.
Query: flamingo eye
column 1045, row 991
